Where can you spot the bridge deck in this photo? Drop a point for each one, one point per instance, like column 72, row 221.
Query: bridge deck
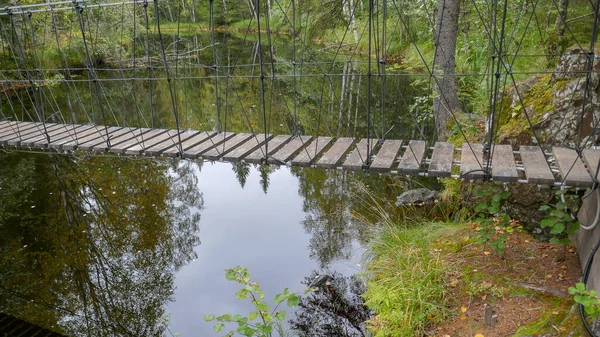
column 528, row 165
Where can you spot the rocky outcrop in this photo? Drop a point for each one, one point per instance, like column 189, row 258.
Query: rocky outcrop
column 419, row 197
column 553, row 103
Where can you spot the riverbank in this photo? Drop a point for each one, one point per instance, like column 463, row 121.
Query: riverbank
column 435, row 280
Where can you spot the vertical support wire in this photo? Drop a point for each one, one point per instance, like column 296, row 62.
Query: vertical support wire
column 215, row 63
column 90, row 68
column 367, row 161
column 262, row 76
column 168, row 73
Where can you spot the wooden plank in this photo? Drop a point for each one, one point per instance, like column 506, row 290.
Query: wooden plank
column 66, row 133
column 134, row 133
column 168, row 136
column 228, row 145
column 15, row 127
column 42, row 139
column 136, row 140
column 246, row 148
column 358, row 156
column 335, row 154
column 58, row 143
column 471, row 161
column 92, row 138
column 186, row 140
column 258, row 155
column 311, row 152
column 571, row 168
column 591, row 158
column 387, row 155
column 32, row 133
column 289, row 150
column 206, row 139
column 15, row 135
column 410, row 163
column 441, row 160
column 102, row 140
column 536, row 166
column 503, row 164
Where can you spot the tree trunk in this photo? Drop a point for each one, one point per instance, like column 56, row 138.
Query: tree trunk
column 561, row 18
column 445, row 101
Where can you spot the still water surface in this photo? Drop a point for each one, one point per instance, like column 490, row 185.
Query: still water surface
column 105, row 246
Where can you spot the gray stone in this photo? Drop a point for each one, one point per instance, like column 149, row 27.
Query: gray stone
column 418, row 196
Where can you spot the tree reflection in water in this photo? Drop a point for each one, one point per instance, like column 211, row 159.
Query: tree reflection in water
column 336, row 309
column 89, row 246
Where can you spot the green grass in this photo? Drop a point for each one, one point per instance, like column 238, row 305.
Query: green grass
column 407, row 283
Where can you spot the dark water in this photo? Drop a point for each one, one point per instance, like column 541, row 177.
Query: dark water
column 106, row 246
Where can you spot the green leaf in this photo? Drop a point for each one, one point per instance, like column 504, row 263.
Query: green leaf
column 262, row 306
column 281, row 315
column 230, row 274
column 237, row 317
column 253, row 315
column 580, row 286
column 544, row 207
column 548, row 222
column 246, row 331
column 241, row 294
column 505, row 194
column 209, row 318
column 497, row 197
column 293, row 300
column 558, row 228
column 219, row 327
column 279, row 298
column 225, row 318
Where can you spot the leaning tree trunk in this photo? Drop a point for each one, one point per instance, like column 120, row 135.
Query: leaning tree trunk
column 445, row 101
column 561, row 19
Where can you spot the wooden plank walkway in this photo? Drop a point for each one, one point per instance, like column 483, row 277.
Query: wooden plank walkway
column 528, row 164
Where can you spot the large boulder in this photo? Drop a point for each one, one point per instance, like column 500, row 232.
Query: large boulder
column 419, row 196
column 553, row 103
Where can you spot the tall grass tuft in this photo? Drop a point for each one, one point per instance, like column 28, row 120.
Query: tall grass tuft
column 406, row 279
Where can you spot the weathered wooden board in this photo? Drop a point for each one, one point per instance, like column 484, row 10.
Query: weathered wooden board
column 335, row 154
column 94, row 138
column 246, row 148
column 307, row 155
column 536, row 166
column 15, row 128
column 42, row 138
column 441, row 160
column 149, row 143
column 31, row 130
column 358, row 156
column 289, row 150
column 65, row 134
column 173, row 142
column 410, row 163
column 115, row 142
column 30, row 134
column 102, row 140
column 138, row 139
column 226, row 146
column 503, row 164
column 571, row 168
column 75, row 137
column 208, row 139
column 387, row 155
column 258, row 156
column 472, row 165
column 591, row 158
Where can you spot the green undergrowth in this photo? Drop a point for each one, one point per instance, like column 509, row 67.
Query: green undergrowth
column 407, row 285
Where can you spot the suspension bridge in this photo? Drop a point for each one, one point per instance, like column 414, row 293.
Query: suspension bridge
column 148, row 100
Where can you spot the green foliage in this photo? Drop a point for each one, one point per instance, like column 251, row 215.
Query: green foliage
column 262, row 321
column 559, row 221
column 407, row 278
column 491, row 217
column 588, row 298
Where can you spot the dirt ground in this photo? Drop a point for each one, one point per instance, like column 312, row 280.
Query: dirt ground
column 526, row 287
